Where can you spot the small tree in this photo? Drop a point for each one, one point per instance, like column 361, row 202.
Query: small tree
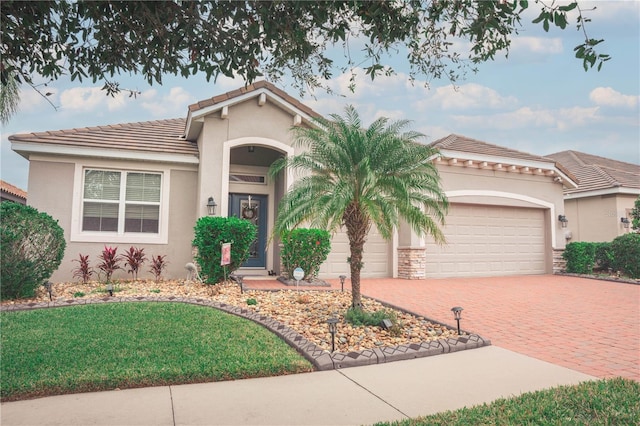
column 210, row 233
column 305, row 248
column 32, row 247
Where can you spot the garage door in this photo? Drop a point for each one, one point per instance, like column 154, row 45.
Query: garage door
column 489, row 241
column 377, row 258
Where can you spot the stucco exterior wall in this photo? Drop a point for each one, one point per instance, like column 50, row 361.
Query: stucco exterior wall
column 52, row 182
column 597, row 218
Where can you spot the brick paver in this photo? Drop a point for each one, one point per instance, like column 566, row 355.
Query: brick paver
column 592, row 326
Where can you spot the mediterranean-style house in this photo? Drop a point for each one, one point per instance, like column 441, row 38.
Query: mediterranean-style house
column 599, row 209
column 145, row 185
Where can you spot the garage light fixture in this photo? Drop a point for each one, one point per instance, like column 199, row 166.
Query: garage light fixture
column 625, row 222
column 457, row 313
column 211, row 206
column 563, row 220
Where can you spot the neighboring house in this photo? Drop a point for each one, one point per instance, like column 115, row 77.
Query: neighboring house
column 145, row 184
column 599, row 209
column 10, row 192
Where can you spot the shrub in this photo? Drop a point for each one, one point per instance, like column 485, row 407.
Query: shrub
column 626, row 253
column 158, row 265
column 32, row 246
column 210, row 233
column 109, row 261
column 305, row 248
column 83, row 271
column 134, row 257
column 603, row 256
column 580, row 257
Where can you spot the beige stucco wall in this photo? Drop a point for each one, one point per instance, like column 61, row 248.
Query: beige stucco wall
column 597, row 218
column 51, row 183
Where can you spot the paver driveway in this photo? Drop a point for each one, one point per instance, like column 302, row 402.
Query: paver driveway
column 587, row 325
column 591, row 326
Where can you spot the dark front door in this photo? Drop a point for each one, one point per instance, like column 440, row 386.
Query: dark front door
column 254, row 209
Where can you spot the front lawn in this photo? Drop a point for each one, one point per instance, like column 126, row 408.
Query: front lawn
column 602, row 402
column 125, row 345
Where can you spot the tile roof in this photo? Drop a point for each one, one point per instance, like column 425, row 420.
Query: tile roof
column 13, row 190
column 598, row 173
column 251, row 88
column 159, row 136
column 460, row 143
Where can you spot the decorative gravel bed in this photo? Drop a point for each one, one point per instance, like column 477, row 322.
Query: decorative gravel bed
column 305, row 311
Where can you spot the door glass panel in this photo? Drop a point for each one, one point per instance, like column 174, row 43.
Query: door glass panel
column 250, row 210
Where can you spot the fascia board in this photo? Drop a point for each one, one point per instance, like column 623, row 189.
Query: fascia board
column 599, row 192
column 495, row 159
column 31, row 148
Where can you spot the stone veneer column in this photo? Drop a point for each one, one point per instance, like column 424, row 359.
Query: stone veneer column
column 559, row 264
column 412, row 263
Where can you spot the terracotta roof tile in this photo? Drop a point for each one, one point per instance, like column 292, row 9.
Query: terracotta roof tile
column 159, row 136
column 12, row 189
column 460, row 143
column 598, row 173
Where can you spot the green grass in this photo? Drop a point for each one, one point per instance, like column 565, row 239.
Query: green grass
column 604, row 402
column 125, row 345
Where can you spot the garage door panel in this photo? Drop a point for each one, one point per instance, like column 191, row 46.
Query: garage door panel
column 489, row 240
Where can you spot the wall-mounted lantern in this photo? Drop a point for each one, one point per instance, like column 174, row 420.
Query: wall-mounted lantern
column 563, row 220
column 625, row 222
column 211, row 206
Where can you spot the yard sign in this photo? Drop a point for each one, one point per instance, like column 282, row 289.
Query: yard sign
column 226, row 254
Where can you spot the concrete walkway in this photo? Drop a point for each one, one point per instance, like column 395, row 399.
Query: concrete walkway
column 352, row 396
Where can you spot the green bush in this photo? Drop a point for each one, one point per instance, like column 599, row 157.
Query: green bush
column 210, row 233
column 603, row 256
column 32, row 248
column 580, row 257
column 626, row 253
column 305, row 248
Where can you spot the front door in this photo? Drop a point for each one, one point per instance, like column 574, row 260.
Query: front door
column 254, row 209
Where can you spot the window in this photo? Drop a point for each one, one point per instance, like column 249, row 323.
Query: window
column 121, row 202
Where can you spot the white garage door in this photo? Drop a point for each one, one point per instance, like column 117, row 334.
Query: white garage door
column 377, row 257
column 489, row 241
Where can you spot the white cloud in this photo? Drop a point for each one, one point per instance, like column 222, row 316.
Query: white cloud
column 536, row 45
column 173, row 103
column 467, row 96
column 526, row 117
column 87, row 99
column 606, row 96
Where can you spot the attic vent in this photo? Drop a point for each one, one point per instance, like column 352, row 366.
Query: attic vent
column 258, row 180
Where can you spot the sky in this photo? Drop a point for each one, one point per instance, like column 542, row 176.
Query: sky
column 538, row 100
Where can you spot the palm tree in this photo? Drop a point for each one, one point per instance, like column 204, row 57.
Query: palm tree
column 356, row 177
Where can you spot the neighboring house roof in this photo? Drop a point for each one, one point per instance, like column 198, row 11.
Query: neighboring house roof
column 469, row 152
column 599, row 175
column 12, row 193
column 144, row 138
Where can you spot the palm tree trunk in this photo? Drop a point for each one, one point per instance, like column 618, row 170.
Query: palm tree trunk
column 357, row 225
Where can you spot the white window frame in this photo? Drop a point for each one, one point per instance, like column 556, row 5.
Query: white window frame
column 78, row 235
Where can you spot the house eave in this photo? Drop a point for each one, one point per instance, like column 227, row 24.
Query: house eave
column 26, row 149
column 620, row 190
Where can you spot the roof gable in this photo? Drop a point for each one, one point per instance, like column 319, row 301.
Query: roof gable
column 7, row 188
column 597, row 173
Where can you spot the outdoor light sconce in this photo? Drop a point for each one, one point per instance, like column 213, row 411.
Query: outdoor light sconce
column 251, row 148
column 211, row 207
column 48, row 285
column 110, row 290
column 333, row 327
column 342, row 278
column 563, row 220
column 457, row 313
column 625, row 222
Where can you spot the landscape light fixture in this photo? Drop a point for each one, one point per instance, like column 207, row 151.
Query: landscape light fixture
column 211, row 207
column 241, row 283
column 48, row 285
column 457, row 313
column 563, row 220
column 110, row 290
column 342, row 278
column 625, row 222
column 333, row 327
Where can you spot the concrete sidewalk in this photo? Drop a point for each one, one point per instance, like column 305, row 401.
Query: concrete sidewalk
column 353, row 396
